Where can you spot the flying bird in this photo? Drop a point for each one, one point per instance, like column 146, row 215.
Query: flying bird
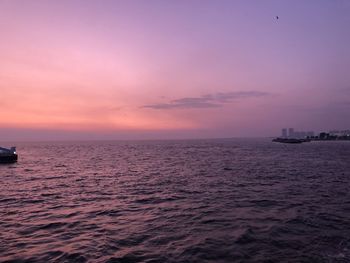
column 277, row 17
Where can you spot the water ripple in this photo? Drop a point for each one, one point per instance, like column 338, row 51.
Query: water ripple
column 176, row 201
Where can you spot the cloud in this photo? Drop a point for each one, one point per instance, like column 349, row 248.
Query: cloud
column 207, row 101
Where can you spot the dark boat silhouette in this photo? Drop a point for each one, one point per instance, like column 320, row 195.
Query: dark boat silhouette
column 8, row 155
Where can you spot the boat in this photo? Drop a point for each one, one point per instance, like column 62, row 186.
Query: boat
column 288, row 140
column 8, row 155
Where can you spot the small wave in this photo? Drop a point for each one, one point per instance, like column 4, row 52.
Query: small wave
column 150, row 200
column 265, row 203
column 72, row 257
column 7, row 200
column 32, row 201
column 107, row 212
column 52, row 226
column 129, row 258
column 247, row 237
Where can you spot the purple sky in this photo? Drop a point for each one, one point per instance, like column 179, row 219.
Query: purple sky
column 172, row 69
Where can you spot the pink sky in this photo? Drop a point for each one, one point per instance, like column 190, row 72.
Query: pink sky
column 172, row 69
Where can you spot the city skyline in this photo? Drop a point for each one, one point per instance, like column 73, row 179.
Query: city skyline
column 172, row 70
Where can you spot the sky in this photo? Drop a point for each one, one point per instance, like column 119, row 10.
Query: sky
column 172, row 69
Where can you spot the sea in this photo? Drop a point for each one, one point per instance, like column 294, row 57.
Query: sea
column 222, row 200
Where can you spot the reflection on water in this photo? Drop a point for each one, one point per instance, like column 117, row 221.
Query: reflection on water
column 176, row 201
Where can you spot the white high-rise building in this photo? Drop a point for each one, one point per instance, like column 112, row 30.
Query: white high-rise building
column 291, row 133
column 284, row 133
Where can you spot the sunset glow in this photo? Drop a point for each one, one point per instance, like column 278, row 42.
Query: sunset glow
column 173, row 68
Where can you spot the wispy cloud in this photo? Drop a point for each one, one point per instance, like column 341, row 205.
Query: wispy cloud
column 208, row 101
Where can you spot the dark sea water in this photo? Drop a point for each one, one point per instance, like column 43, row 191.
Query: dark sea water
column 176, row 201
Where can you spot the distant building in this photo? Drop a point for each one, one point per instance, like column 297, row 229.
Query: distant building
column 291, row 132
column 340, row 133
column 284, row 133
column 310, row 134
column 299, row 134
